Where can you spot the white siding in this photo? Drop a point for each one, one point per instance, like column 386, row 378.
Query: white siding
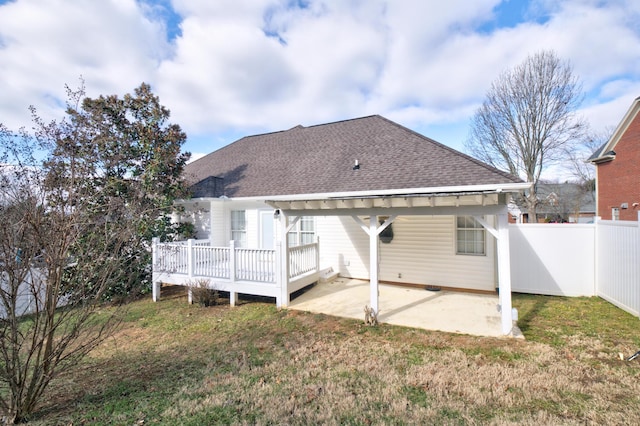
column 212, row 220
column 422, row 252
column 343, row 246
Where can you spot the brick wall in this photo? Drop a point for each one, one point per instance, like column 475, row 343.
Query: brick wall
column 619, row 180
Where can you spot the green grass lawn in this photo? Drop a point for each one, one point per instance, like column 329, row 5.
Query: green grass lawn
column 178, row 364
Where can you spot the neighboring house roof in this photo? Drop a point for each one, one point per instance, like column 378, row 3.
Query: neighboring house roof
column 565, row 198
column 607, row 151
column 320, row 159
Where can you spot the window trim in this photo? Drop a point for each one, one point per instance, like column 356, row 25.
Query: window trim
column 242, row 242
column 297, row 232
column 478, row 228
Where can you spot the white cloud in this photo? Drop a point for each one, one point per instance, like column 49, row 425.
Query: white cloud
column 246, row 66
column 51, row 43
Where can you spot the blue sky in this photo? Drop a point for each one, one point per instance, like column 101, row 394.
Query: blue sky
column 230, row 68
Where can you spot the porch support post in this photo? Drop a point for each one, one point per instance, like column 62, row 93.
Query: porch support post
column 373, row 263
column 504, row 273
column 373, row 230
column 282, row 255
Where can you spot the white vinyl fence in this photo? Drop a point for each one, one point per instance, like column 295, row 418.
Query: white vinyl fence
column 618, row 268
column 553, row 259
column 600, row 259
column 25, row 298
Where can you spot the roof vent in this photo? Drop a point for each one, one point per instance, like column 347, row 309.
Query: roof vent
column 356, row 165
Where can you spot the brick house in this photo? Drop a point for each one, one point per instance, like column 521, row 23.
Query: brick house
column 618, row 170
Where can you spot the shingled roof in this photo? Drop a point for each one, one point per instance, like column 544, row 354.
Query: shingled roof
column 321, row 158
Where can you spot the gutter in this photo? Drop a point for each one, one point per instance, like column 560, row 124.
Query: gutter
column 491, row 188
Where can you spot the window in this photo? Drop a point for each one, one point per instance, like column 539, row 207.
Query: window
column 304, row 232
column 239, row 228
column 615, row 213
column 470, row 236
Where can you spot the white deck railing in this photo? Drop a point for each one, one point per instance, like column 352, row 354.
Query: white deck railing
column 237, row 270
column 303, row 259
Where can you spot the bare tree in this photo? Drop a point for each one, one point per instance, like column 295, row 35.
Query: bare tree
column 583, row 172
column 528, row 119
column 70, row 233
column 578, row 154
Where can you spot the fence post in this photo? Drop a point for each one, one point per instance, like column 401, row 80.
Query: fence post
column 638, row 251
column 596, row 255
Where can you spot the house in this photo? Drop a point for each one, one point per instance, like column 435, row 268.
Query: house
column 565, row 203
column 618, row 170
column 386, row 204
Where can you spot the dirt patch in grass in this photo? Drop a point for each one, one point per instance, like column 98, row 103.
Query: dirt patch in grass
column 172, row 363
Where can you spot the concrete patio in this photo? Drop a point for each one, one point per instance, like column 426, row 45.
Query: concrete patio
column 455, row 312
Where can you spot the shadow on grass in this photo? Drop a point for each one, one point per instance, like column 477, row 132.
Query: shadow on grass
column 125, row 387
column 531, row 309
column 171, row 291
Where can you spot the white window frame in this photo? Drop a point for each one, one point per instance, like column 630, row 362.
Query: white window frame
column 304, row 232
column 615, row 213
column 239, row 227
column 467, row 234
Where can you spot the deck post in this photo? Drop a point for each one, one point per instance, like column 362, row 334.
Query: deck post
column 155, row 285
column 233, row 295
column 190, row 262
column 279, row 275
column 317, row 254
column 190, row 294
column 190, row 270
column 504, row 273
column 232, row 261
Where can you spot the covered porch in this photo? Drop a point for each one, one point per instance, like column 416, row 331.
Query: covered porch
column 374, row 212
column 448, row 311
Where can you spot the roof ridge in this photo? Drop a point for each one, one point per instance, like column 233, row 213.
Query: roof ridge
column 296, row 127
column 455, row 151
column 301, row 127
column 342, row 121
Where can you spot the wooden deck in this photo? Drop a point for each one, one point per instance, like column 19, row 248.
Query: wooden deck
column 235, row 270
